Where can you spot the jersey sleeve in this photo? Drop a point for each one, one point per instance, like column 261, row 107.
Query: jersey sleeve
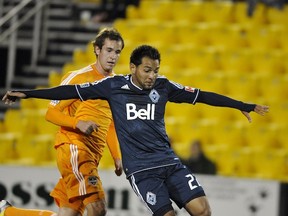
column 112, row 142
column 181, row 94
column 55, row 112
column 100, row 89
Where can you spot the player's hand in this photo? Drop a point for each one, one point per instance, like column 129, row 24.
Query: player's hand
column 11, row 96
column 247, row 115
column 259, row 109
column 87, row 127
column 118, row 167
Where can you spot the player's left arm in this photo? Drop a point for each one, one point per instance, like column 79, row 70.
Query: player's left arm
column 114, row 148
column 215, row 99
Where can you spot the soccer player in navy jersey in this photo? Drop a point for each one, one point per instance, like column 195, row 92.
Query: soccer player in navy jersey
column 138, row 104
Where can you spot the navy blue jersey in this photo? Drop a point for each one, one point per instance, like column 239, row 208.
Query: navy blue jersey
column 139, row 118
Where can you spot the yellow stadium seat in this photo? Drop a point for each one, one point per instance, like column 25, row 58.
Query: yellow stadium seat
column 241, row 13
column 43, row 126
column 35, row 149
column 41, row 104
column 260, row 16
column 14, row 121
column 2, row 127
column 79, row 56
column 8, row 143
column 240, row 62
column 193, row 12
column 106, row 161
column 270, row 164
column 54, row 78
column 276, row 16
column 244, row 166
column 225, row 161
column 220, row 11
column 132, row 12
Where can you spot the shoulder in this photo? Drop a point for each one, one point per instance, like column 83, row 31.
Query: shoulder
column 77, row 76
column 162, row 79
column 112, row 79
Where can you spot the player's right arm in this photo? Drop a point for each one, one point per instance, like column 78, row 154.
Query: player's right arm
column 55, row 114
column 56, row 110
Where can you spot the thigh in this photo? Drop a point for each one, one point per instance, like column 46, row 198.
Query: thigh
column 66, row 207
column 183, row 185
column 149, row 186
column 79, row 173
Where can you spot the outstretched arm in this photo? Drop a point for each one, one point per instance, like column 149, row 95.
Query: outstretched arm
column 56, row 93
column 214, row 99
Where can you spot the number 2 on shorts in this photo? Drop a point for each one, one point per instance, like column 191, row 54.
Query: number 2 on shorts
column 193, row 183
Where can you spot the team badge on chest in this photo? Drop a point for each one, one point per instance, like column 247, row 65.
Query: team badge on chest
column 154, row 96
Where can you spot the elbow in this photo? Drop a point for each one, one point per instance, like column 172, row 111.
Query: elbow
column 47, row 115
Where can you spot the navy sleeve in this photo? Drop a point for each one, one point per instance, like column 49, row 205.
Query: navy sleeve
column 56, row 93
column 214, row 99
column 100, row 89
column 181, row 94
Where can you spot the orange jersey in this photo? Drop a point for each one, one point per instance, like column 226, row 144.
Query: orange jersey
column 97, row 111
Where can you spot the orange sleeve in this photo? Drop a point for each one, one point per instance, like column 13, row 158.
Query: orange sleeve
column 112, row 142
column 56, row 116
column 55, row 112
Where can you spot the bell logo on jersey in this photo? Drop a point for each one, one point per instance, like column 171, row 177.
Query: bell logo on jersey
column 144, row 114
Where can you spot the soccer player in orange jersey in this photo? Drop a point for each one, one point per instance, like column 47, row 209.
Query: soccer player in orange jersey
column 85, row 128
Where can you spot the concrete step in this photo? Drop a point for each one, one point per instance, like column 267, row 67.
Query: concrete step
column 65, row 47
column 58, row 59
column 40, row 70
column 25, row 82
column 20, row 43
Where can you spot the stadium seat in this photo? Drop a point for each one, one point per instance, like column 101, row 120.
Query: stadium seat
column 42, row 125
column 271, row 164
column 8, row 147
column 13, row 121
column 79, row 56
column 277, row 16
column 225, row 161
column 132, row 12
column 54, row 78
column 106, row 161
column 244, row 166
column 35, row 149
column 220, row 11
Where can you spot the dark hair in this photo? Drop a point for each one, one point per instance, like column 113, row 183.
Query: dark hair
column 144, row 51
column 110, row 33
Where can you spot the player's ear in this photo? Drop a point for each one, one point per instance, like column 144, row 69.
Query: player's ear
column 97, row 50
column 132, row 68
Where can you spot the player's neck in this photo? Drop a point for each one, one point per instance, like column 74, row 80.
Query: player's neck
column 101, row 70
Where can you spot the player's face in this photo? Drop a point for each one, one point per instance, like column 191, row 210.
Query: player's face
column 108, row 56
column 145, row 74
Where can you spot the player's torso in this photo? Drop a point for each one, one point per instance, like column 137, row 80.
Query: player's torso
column 139, row 119
column 97, row 111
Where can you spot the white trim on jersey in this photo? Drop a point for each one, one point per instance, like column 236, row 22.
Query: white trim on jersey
column 75, row 73
column 77, row 173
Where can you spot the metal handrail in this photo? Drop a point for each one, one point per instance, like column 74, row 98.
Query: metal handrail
column 14, row 11
column 11, row 32
column 16, row 25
